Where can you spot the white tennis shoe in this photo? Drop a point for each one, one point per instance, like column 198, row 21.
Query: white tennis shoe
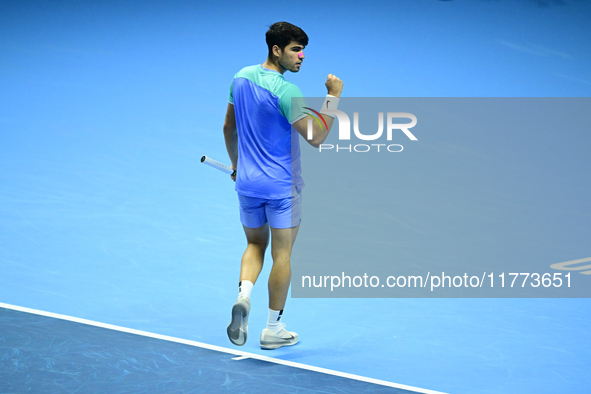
column 238, row 327
column 271, row 340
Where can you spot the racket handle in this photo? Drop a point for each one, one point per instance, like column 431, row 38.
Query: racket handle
column 217, row 165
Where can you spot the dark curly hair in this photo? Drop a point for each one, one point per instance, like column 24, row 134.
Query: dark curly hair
column 282, row 33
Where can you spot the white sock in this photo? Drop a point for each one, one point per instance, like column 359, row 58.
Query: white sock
column 274, row 320
column 244, row 288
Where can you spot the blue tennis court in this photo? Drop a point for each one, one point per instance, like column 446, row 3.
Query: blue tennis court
column 120, row 251
column 58, row 354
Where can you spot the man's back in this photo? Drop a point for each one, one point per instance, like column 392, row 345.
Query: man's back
column 268, row 148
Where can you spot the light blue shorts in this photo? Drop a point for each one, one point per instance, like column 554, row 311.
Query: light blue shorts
column 282, row 213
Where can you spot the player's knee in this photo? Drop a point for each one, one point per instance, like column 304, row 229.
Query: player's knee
column 262, row 246
column 282, row 256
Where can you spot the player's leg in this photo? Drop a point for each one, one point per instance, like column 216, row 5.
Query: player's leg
column 282, row 216
column 253, row 258
column 256, row 229
column 282, row 241
column 275, row 335
column 254, row 221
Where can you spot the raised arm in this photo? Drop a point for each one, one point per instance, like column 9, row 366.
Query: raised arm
column 334, row 86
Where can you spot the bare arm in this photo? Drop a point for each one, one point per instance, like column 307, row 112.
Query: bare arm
column 231, row 137
column 334, row 86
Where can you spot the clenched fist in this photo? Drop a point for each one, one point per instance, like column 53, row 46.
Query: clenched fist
column 334, row 85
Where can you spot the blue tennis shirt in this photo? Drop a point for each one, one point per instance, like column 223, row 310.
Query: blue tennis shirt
column 268, row 149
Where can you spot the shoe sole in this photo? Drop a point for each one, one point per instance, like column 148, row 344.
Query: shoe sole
column 238, row 327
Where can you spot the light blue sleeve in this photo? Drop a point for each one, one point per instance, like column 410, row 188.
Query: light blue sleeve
column 231, row 97
column 293, row 110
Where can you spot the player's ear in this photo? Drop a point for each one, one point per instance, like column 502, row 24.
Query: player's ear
column 276, row 50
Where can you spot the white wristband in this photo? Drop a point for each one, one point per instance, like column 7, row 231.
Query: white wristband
column 330, row 102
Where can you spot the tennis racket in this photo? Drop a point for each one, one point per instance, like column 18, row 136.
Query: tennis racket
column 217, row 165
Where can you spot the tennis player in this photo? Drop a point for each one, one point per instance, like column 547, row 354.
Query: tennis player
column 265, row 151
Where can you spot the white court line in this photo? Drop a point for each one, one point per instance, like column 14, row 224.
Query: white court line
column 241, row 355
